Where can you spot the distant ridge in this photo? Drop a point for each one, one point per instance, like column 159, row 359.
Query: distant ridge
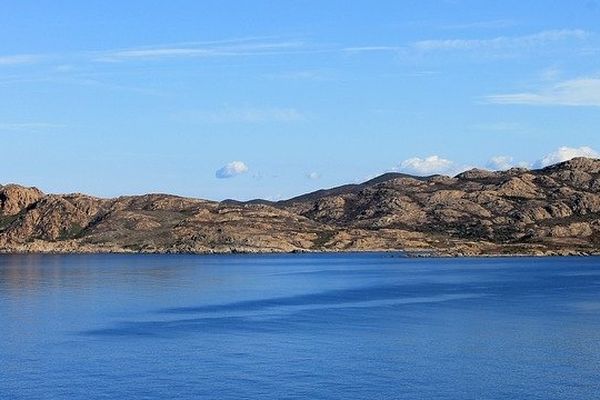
column 344, row 189
column 554, row 210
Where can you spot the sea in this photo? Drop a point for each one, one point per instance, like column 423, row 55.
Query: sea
column 298, row 326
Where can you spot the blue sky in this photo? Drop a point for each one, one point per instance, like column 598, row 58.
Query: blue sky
column 245, row 99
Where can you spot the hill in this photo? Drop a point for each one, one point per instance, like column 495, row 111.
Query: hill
column 555, row 210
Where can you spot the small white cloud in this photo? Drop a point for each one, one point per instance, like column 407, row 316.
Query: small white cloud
column 232, row 169
column 493, row 24
column 566, row 153
column 223, row 48
column 64, row 68
column 364, row 49
column 501, row 42
column 550, row 74
column 500, row 163
column 574, row 92
column 426, row 166
column 299, row 75
column 313, row 175
column 20, row 59
column 29, row 126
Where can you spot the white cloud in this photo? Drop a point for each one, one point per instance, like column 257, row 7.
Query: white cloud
column 498, row 45
column 364, row 49
column 575, row 92
column 313, row 175
column 160, row 53
column 437, row 165
column 64, row 68
column 20, row 59
column 28, row 126
column 500, row 163
column 243, row 115
column 566, row 153
column 550, row 74
column 299, row 75
column 492, row 24
column 224, row 48
column 426, row 166
column 232, row 169
column 501, row 42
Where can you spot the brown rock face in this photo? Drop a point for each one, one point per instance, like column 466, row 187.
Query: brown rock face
column 552, row 208
column 14, row 198
column 555, row 210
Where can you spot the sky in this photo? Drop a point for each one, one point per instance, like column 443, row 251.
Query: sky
column 270, row 99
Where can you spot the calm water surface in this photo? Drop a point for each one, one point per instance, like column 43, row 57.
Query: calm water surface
column 350, row 326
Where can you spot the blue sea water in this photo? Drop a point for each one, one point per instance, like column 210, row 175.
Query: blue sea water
column 305, row 326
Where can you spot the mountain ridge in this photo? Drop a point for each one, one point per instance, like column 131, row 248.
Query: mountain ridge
column 553, row 210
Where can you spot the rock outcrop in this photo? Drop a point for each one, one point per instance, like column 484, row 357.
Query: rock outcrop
column 555, row 210
column 15, row 198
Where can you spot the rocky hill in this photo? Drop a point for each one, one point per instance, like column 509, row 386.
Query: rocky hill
column 555, row 210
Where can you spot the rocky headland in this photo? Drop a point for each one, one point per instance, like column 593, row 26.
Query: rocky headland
column 549, row 211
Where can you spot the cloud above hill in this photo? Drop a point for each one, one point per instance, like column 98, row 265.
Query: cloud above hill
column 436, row 164
column 565, row 153
column 426, row 166
column 232, row 169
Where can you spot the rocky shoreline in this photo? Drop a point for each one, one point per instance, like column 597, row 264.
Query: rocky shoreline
column 424, row 253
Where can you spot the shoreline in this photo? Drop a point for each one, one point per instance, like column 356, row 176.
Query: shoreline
column 400, row 252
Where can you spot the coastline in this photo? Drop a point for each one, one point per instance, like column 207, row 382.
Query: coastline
column 407, row 253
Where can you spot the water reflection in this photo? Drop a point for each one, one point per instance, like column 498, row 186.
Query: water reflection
column 27, row 273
